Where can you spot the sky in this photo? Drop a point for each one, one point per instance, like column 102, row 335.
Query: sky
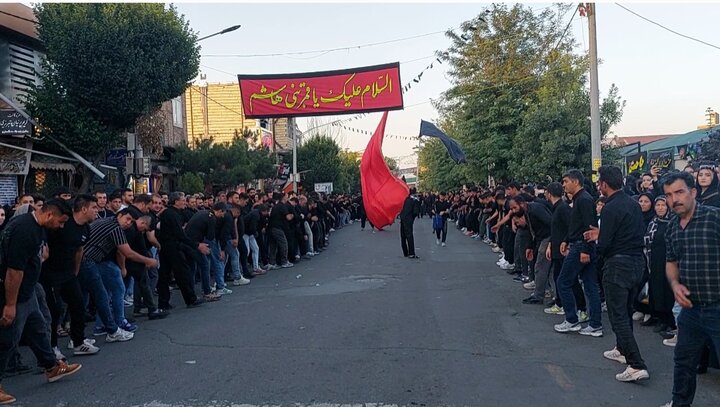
column 668, row 81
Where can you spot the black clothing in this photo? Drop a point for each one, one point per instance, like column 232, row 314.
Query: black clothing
column 63, row 243
column 582, row 216
column 172, row 233
column 252, row 221
column 621, row 227
column 695, row 249
column 22, row 246
column 407, row 240
column 559, row 228
column 224, row 230
column 278, row 217
column 105, row 213
column 442, row 206
column 201, row 227
column 410, row 209
column 660, row 294
column 539, row 221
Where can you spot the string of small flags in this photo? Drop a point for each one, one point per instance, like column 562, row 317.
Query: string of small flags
column 405, row 89
column 369, row 133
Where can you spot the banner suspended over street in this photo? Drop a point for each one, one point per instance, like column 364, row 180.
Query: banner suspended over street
column 357, row 90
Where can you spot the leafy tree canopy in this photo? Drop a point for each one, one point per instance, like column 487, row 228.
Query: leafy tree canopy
column 106, row 65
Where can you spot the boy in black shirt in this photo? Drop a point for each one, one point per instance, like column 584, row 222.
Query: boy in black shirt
column 22, row 248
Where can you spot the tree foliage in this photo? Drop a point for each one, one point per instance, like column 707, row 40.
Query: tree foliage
column 518, row 104
column 226, row 164
column 319, row 161
column 710, row 148
column 191, row 183
column 349, row 176
column 106, row 65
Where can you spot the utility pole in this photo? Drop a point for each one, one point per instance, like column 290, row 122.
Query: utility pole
column 595, row 134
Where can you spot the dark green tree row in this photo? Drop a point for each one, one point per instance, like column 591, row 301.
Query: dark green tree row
column 519, row 102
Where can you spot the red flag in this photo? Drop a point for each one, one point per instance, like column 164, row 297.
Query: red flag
column 383, row 193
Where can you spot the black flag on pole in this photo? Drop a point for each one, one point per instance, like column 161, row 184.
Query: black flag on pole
column 428, row 129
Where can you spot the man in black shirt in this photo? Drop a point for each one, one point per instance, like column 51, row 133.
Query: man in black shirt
column 174, row 256
column 279, row 222
column 580, row 259
column 620, row 242
column 102, row 203
column 201, row 229
column 22, row 249
column 59, row 273
column 252, row 229
column 538, row 219
column 410, row 210
column 442, row 209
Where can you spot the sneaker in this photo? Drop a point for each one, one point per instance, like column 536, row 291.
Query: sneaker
column 590, row 331
column 213, row 286
column 86, row 349
column 501, row 262
column 128, row 301
column 99, row 331
column 127, row 326
column 603, row 306
column 259, row 271
column 583, row 316
column 632, row 375
column 463, row 230
column 529, row 286
column 212, row 297
column 638, row 316
column 568, row 327
column 71, row 345
column 507, row 267
column 496, row 249
column 244, row 281
column 646, row 319
column 158, row 314
column 120, row 335
column 61, row 370
column 6, row 398
column 198, row 302
column 331, row 230
column 437, row 242
column 615, row 355
column 287, row 265
column 272, row 267
column 532, row 300
column 58, row 355
column 443, row 244
column 224, row 291
column 670, row 342
column 140, row 313
column 519, row 278
column 667, row 404
column 555, row 310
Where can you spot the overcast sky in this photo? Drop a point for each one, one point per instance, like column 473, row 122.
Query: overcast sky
column 668, row 81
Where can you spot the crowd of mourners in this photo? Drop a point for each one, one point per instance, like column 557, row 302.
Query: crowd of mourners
column 111, row 260
column 641, row 248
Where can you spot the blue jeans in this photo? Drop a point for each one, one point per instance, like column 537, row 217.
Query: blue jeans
column 111, row 277
column 233, row 256
column 92, row 284
column 202, row 265
column 696, row 326
column 252, row 245
column 217, row 266
column 571, row 268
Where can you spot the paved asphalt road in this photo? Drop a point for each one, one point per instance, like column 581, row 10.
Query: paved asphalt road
column 362, row 324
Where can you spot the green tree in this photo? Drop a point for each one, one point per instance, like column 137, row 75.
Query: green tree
column 518, row 103
column 191, row 183
column 349, row 177
column 106, row 66
column 224, row 165
column 392, row 164
column 319, row 161
column 710, row 148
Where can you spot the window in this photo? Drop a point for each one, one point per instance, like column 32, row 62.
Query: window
column 177, row 112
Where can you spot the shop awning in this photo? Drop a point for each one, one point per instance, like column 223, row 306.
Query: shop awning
column 39, row 165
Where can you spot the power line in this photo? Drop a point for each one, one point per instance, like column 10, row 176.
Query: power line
column 666, row 28
column 325, row 50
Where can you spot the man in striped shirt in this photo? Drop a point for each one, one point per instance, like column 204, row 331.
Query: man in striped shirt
column 100, row 273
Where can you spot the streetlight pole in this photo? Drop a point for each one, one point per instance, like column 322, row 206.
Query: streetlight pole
column 225, row 31
column 595, row 131
column 295, row 144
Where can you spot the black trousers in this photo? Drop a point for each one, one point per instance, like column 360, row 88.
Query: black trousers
column 70, row 293
column 508, row 244
column 622, row 276
column 142, row 295
column 174, row 262
column 277, row 247
column 407, row 240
